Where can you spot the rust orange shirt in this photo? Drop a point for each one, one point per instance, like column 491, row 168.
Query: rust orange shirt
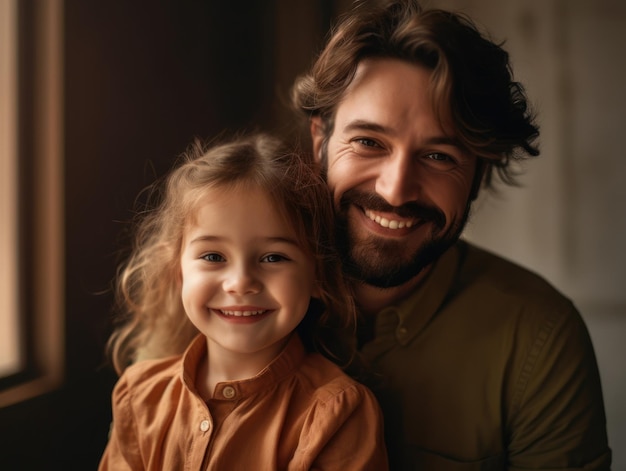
column 301, row 412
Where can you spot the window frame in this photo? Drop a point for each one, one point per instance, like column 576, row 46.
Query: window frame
column 40, row 204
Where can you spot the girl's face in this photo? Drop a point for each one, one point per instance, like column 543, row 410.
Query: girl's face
column 246, row 282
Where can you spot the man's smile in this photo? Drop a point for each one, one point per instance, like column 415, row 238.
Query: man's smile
column 388, row 222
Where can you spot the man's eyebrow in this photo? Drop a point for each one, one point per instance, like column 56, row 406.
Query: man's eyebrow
column 364, row 125
column 446, row 140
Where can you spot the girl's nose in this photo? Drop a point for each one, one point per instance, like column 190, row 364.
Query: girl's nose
column 241, row 280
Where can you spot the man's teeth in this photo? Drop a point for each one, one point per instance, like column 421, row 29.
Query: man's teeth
column 384, row 222
column 242, row 313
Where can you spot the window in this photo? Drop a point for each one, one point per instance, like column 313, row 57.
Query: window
column 10, row 357
column 31, row 190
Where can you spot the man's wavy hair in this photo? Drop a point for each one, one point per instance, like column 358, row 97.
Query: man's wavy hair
column 153, row 323
column 473, row 91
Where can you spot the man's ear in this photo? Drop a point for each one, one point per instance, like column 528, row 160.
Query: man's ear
column 481, row 167
column 317, row 136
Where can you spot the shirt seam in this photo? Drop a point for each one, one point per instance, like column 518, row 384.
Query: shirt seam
column 131, row 408
column 531, row 361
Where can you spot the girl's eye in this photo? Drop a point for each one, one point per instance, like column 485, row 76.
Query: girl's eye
column 273, row 258
column 213, row 257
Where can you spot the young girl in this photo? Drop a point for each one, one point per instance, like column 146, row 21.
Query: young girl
column 232, row 288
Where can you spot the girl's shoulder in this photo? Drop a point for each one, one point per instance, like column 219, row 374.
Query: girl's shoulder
column 150, row 377
column 335, row 402
column 327, row 381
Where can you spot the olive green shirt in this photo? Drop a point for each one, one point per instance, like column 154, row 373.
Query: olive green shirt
column 488, row 367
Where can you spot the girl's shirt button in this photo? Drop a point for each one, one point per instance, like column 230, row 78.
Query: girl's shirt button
column 228, row 392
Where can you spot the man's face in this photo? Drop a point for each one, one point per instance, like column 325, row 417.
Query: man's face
column 401, row 183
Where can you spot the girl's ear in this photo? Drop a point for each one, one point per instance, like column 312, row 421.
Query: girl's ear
column 317, row 136
column 179, row 277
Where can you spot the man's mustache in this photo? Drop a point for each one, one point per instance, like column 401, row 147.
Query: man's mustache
column 411, row 209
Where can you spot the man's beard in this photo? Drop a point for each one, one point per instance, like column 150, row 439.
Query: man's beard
column 383, row 262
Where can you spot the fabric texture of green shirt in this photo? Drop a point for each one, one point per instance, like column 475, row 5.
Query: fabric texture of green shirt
column 488, row 367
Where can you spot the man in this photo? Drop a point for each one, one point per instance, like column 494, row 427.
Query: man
column 483, row 364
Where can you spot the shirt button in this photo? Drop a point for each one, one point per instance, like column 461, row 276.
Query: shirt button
column 228, row 392
column 205, row 425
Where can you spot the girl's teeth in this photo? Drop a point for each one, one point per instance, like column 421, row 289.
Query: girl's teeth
column 242, row 313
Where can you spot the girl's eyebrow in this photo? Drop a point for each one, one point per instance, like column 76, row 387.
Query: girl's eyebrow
column 205, row 238
column 269, row 239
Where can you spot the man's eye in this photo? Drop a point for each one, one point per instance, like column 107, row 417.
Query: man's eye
column 440, row 161
column 439, row 157
column 366, row 142
column 273, row 258
column 213, row 257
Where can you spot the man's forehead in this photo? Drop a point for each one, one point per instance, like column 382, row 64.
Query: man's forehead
column 388, row 93
column 369, row 67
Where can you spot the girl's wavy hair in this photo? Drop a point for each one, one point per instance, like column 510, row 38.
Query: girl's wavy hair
column 473, row 90
column 153, row 323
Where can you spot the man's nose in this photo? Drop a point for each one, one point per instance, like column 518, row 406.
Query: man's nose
column 241, row 279
column 398, row 179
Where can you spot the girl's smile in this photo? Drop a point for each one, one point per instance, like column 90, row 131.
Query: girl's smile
column 242, row 316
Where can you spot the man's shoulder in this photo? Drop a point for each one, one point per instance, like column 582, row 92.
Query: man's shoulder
column 491, row 295
column 493, row 276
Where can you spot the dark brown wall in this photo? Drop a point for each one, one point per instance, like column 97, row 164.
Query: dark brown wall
column 142, row 79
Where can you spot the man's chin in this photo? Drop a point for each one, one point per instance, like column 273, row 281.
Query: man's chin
column 381, row 277
column 391, row 268
column 389, row 280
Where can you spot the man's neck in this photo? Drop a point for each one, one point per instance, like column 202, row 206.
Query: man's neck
column 371, row 299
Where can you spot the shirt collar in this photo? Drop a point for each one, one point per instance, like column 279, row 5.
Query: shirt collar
column 402, row 322
column 421, row 306
column 283, row 365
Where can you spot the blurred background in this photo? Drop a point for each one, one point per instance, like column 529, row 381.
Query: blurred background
column 98, row 98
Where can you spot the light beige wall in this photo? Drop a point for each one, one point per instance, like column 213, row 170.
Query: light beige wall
column 569, row 222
